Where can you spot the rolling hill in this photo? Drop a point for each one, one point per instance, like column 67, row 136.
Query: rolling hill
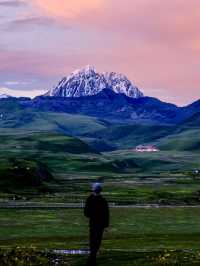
column 32, row 120
column 186, row 140
column 37, row 142
column 129, row 136
column 186, row 137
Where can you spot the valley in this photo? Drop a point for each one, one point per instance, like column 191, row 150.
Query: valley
column 129, row 177
column 77, row 149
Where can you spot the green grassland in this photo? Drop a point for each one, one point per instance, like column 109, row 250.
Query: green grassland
column 53, row 158
column 129, row 177
column 186, row 140
column 29, row 120
column 129, row 136
column 131, row 229
column 135, row 235
column 101, row 135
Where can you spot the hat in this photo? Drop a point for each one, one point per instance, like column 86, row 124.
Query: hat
column 97, row 187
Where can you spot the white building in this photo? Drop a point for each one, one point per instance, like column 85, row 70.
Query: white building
column 146, row 148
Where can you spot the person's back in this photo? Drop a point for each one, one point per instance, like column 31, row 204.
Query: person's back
column 96, row 209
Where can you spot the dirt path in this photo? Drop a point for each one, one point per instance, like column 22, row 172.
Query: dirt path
column 37, row 205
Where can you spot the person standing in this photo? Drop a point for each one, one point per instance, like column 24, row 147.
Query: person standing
column 97, row 210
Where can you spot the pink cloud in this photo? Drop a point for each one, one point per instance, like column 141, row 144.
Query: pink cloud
column 63, row 9
column 18, row 62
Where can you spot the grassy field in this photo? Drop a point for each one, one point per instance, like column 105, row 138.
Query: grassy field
column 131, row 229
column 185, row 140
column 129, row 177
column 64, row 168
column 135, row 234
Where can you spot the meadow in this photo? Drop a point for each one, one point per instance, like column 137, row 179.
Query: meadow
column 137, row 236
column 49, row 168
column 129, row 177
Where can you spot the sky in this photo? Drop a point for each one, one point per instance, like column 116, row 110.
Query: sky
column 155, row 43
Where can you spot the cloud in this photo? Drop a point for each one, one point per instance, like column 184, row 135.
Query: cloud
column 29, row 63
column 172, row 25
column 124, row 16
column 12, row 3
column 67, row 9
column 47, row 65
column 12, row 83
column 17, row 82
column 21, row 93
column 29, row 22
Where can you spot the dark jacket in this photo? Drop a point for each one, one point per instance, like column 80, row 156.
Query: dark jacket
column 96, row 209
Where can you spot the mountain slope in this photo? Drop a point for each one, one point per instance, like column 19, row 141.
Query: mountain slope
column 186, row 140
column 110, row 106
column 192, row 121
column 186, row 137
column 129, row 136
column 26, row 142
column 88, row 81
column 192, row 107
column 32, row 120
column 189, row 110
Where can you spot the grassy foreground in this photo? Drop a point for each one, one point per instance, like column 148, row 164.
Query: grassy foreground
column 131, row 229
column 167, row 236
column 33, row 257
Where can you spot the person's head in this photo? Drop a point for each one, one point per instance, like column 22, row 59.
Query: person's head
column 96, row 188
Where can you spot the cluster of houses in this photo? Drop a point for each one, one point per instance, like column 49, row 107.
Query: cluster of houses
column 146, row 148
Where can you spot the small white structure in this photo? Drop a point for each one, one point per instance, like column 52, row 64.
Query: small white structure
column 197, row 172
column 146, row 148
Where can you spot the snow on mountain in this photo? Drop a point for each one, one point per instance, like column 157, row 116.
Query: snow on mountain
column 87, row 82
column 120, row 84
column 4, row 96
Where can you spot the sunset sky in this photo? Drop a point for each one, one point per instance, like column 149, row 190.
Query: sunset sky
column 156, row 43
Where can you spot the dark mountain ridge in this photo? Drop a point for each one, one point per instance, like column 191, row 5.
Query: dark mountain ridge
column 105, row 121
column 107, row 105
column 110, row 106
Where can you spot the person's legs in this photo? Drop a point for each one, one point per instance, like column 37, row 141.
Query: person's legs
column 99, row 235
column 95, row 243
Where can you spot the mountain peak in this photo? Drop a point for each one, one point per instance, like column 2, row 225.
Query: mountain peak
column 87, row 81
column 88, row 69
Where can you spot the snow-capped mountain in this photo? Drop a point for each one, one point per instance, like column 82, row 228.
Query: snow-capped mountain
column 120, row 84
column 4, row 96
column 87, row 82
